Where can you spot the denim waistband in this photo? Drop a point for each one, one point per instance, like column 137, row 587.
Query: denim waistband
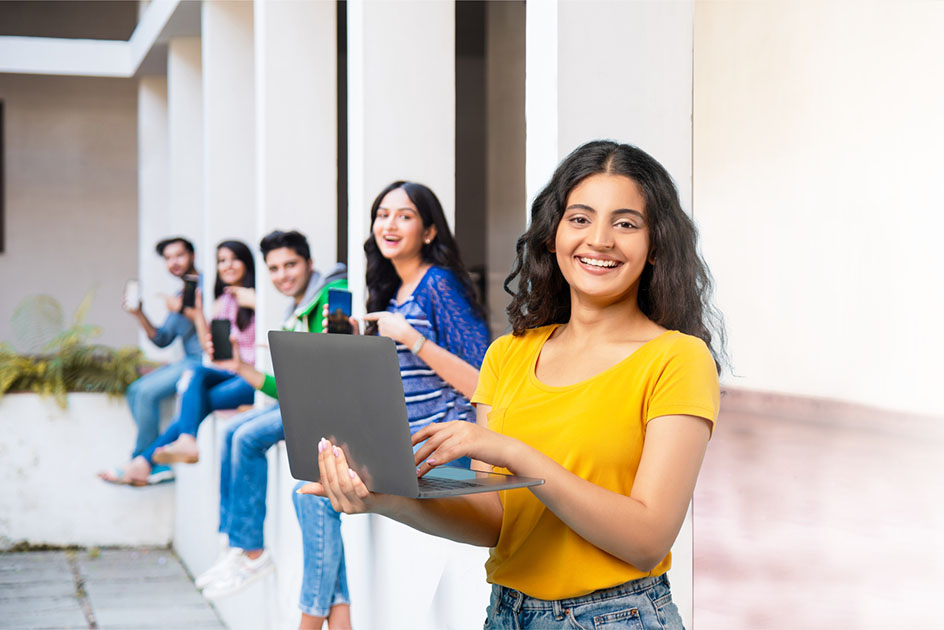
column 519, row 601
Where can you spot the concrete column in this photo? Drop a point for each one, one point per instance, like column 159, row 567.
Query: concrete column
column 185, row 118
column 153, row 220
column 296, row 133
column 228, row 125
column 401, row 125
column 618, row 70
column 401, row 109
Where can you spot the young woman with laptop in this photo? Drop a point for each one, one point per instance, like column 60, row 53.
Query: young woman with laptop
column 607, row 389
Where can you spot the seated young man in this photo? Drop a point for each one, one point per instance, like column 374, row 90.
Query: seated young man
column 244, row 469
column 146, row 394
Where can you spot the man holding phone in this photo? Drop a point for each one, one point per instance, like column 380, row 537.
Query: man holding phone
column 146, row 393
column 244, row 468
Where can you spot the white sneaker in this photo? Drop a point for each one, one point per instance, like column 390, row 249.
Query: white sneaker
column 224, row 565
column 247, row 572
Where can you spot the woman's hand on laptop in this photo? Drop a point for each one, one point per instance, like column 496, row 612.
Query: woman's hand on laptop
column 340, row 484
column 448, row 441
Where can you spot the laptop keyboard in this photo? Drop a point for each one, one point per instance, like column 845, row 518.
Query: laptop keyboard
column 438, row 483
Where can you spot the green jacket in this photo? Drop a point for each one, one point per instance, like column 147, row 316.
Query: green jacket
column 307, row 317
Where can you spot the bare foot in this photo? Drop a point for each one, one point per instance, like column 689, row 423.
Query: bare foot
column 134, row 473
column 183, row 451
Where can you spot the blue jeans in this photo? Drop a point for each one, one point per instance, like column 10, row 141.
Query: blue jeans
column 244, row 474
column 324, row 583
column 209, row 389
column 145, row 396
column 643, row 604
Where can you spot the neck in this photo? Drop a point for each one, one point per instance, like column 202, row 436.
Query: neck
column 301, row 294
column 609, row 322
column 410, row 271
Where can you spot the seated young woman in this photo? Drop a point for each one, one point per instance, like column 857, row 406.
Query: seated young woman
column 607, row 389
column 208, row 388
column 420, row 295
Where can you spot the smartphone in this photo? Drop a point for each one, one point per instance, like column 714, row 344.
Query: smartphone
column 190, row 293
column 132, row 295
column 219, row 334
column 339, row 311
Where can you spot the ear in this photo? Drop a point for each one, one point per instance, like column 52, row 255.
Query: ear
column 551, row 248
column 429, row 234
column 651, row 259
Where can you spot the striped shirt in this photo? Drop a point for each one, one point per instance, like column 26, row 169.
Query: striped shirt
column 440, row 311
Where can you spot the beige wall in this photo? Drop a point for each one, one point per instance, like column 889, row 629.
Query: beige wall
column 71, row 196
column 817, row 164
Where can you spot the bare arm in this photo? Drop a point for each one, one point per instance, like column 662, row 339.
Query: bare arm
column 452, row 369
column 639, row 528
column 474, row 519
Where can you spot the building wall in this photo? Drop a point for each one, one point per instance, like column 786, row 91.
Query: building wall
column 817, row 161
column 71, row 196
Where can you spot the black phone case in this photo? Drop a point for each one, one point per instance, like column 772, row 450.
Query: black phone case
column 219, row 334
column 190, row 295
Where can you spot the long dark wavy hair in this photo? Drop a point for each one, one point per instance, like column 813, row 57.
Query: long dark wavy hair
column 242, row 253
column 382, row 278
column 674, row 291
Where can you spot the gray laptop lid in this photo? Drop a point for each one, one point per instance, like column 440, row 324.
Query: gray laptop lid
column 347, row 388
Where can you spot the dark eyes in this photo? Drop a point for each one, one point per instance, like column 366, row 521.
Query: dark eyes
column 622, row 224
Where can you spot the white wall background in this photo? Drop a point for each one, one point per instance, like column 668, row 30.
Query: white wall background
column 817, row 163
column 71, row 196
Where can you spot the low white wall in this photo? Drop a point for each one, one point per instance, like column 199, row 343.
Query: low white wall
column 49, row 491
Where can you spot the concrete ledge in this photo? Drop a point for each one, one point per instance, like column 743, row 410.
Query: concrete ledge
column 49, row 491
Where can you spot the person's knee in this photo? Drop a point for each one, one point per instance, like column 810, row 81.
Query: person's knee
column 249, row 440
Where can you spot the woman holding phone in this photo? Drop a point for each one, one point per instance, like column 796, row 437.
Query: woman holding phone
column 420, row 295
column 607, row 389
column 207, row 388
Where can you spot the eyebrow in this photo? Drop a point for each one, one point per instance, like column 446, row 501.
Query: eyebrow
column 580, row 206
column 397, row 209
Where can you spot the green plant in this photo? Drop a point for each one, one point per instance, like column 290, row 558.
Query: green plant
column 67, row 362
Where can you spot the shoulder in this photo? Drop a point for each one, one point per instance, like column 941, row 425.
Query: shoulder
column 510, row 346
column 674, row 350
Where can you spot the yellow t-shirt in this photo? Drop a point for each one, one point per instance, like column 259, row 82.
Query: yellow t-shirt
column 595, row 429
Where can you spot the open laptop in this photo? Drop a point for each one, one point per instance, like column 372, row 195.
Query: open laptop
column 347, row 388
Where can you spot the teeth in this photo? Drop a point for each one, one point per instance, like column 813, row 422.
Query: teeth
column 598, row 263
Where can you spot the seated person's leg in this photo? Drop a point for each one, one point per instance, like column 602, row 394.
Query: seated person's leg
column 227, row 462
column 196, row 403
column 145, row 396
column 324, row 584
column 250, row 472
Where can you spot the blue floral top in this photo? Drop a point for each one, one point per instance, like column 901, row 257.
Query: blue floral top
column 440, row 311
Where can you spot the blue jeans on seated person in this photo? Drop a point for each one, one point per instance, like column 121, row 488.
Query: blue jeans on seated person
column 145, row 396
column 324, row 582
column 643, row 604
column 209, row 389
column 244, row 474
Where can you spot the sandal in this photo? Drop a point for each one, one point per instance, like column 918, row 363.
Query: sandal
column 118, row 477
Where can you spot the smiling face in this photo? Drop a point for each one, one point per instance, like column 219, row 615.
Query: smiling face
column 178, row 258
column 398, row 227
column 289, row 271
column 602, row 240
column 229, row 268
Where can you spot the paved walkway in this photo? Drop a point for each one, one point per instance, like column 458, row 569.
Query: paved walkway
column 116, row 589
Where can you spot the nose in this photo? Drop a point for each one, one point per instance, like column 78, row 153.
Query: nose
column 601, row 236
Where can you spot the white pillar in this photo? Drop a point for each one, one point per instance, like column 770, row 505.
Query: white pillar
column 401, row 110
column 185, row 116
column 401, row 125
column 153, row 221
column 296, row 132
column 228, row 125
column 622, row 71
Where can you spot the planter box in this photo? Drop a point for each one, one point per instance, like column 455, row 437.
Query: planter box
column 49, row 491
